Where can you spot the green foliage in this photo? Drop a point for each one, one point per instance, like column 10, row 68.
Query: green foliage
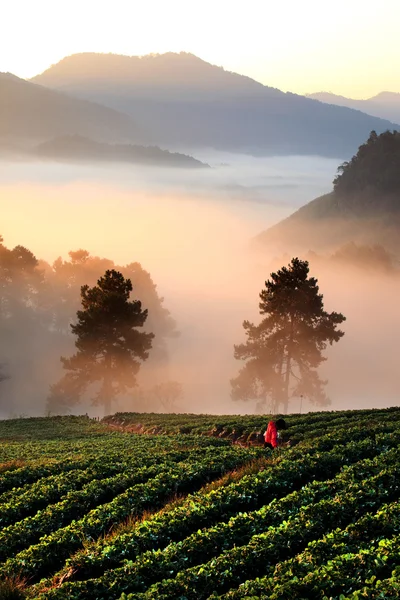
column 261, row 551
column 375, row 168
column 110, row 514
column 288, row 343
column 219, row 532
column 301, row 427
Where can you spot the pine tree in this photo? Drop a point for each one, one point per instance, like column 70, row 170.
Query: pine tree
column 109, row 345
column 283, row 352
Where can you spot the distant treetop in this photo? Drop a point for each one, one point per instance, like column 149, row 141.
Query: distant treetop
column 375, row 167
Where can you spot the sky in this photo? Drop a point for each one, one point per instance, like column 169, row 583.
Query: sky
column 349, row 47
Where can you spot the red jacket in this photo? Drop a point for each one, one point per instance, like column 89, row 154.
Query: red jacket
column 271, row 435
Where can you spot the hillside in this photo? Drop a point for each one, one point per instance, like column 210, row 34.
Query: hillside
column 385, row 105
column 31, row 112
column 91, row 512
column 364, row 206
column 77, row 149
column 183, row 101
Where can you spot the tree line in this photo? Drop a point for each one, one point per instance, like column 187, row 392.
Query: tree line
column 122, row 321
column 38, row 304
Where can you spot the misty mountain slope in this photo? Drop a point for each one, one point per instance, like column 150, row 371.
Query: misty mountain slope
column 78, row 148
column 363, row 207
column 30, row 111
column 385, row 105
column 162, row 72
column 186, row 102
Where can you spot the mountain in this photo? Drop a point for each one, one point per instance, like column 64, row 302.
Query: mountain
column 31, row 112
column 78, row 148
column 185, row 102
column 385, row 105
column 364, row 206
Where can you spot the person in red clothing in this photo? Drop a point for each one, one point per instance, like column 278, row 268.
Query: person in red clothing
column 271, row 435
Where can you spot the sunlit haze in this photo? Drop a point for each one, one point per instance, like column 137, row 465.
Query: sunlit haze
column 196, row 245
column 349, row 47
column 195, row 184
column 199, row 299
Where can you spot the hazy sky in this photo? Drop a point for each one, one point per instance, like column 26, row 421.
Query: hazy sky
column 349, row 47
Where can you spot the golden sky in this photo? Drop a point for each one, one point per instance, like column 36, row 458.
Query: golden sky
column 348, row 47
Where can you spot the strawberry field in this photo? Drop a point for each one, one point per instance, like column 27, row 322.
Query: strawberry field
column 191, row 507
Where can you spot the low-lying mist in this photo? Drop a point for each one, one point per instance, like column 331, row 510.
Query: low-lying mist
column 192, row 230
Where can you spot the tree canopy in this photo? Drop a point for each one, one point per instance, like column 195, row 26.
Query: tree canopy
column 109, row 345
column 38, row 303
column 375, row 168
column 284, row 351
column 67, row 276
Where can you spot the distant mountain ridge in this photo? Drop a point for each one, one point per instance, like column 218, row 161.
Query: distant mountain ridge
column 161, row 70
column 183, row 101
column 78, row 148
column 30, row 111
column 385, row 105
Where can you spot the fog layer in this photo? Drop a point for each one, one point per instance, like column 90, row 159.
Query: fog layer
column 191, row 230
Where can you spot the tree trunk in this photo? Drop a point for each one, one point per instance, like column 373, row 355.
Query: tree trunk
column 107, row 386
column 288, row 366
column 285, row 399
column 279, row 390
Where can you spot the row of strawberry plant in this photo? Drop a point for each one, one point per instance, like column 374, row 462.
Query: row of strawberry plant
column 63, row 449
column 288, row 471
column 49, row 427
column 292, row 471
column 21, row 503
column 265, row 550
column 32, row 472
column 219, row 505
column 346, row 433
column 94, row 464
column 77, row 503
column 169, row 527
column 26, row 500
column 288, row 575
column 346, row 573
column 377, row 589
column 90, row 446
column 81, row 457
column 52, row 550
column 74, row 505
column 116, row 449
column 358, row 427
column 203, row 424
column 201, row 546
column 242, row 491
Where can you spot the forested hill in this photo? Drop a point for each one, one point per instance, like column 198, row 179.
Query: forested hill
column 72, row 148
column 364, row 205
column 375, row 169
